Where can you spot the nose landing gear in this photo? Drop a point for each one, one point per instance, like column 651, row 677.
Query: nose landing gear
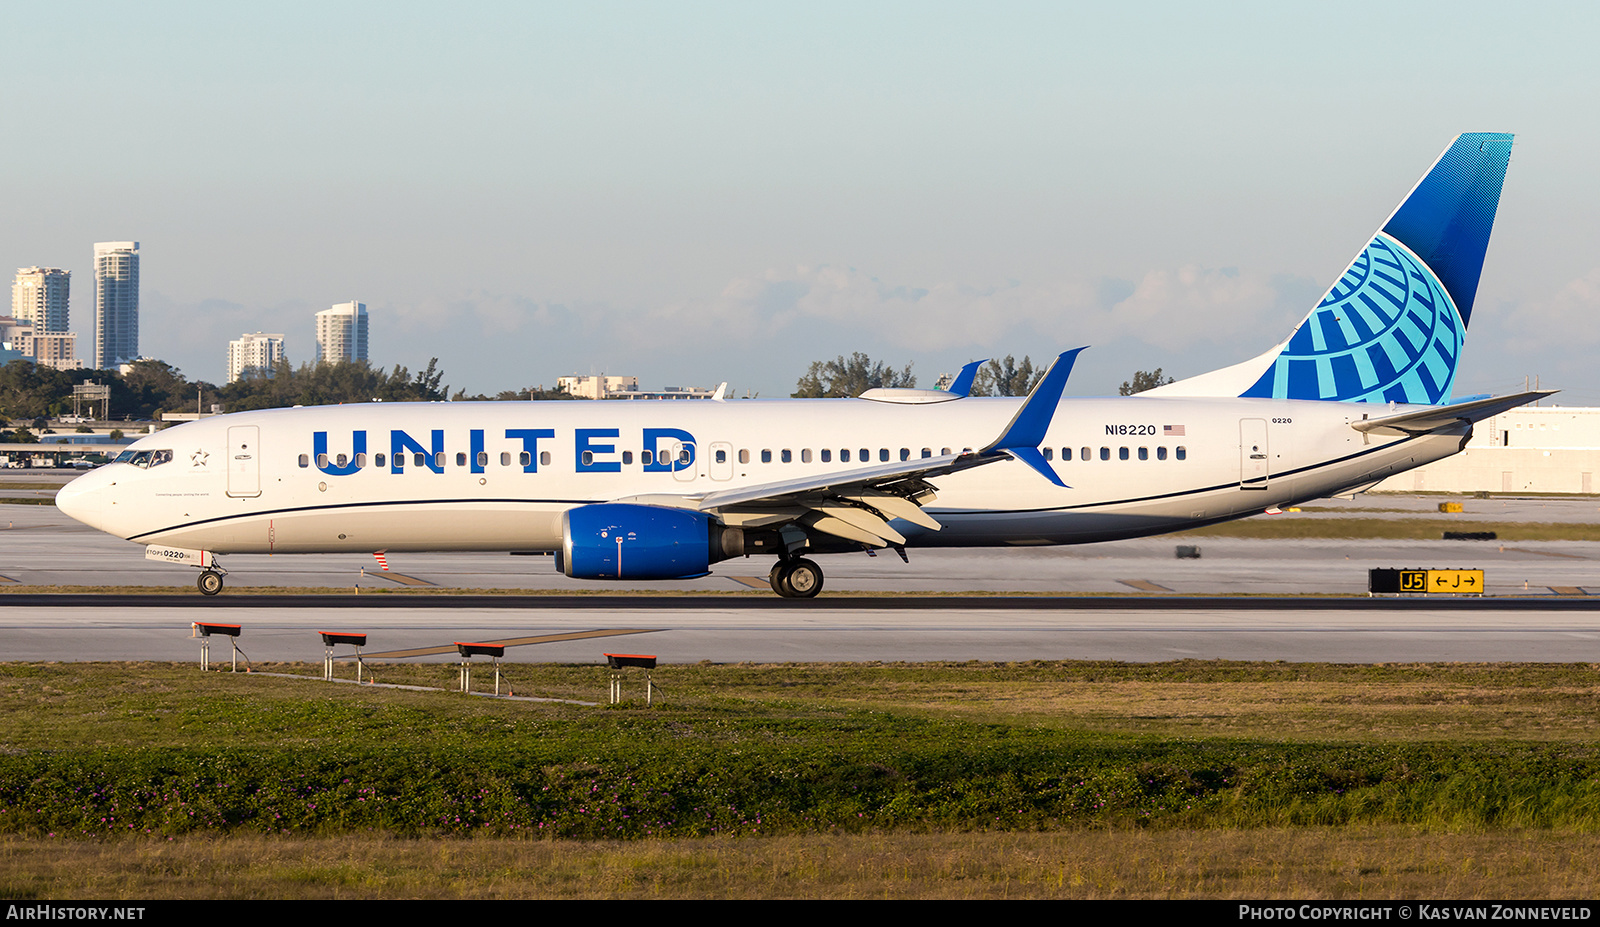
column 210, row 582
column 796, row 579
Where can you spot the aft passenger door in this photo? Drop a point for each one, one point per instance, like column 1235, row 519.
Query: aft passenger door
column 244, row 461
column 1253, row 460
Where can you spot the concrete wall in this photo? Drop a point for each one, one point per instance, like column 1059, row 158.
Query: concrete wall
column 1540, row 449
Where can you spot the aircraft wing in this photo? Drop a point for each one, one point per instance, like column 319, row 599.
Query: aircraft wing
column 1425, row 420
column 854, row 504
column 845, row 481
column 858, row 504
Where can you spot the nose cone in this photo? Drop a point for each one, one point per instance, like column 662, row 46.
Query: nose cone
column 84, row 498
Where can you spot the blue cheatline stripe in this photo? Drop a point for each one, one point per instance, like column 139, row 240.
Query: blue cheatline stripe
column 304, row 509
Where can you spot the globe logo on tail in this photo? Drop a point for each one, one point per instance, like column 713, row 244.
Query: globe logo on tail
column 1387, row 331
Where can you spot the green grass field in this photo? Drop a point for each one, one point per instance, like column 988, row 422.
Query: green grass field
column 747, row 770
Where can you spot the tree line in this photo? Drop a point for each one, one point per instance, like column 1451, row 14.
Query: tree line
column 32, row 393
column 846, row 377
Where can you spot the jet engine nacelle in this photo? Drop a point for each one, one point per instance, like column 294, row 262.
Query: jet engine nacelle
column 616, row 540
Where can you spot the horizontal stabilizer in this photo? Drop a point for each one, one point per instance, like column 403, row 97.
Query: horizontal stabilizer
column 1426, row 420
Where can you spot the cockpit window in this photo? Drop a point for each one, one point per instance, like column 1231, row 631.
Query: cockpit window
column 144, row 458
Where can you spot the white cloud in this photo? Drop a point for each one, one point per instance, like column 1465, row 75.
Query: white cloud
column 1165, row 308
column 1567, row 317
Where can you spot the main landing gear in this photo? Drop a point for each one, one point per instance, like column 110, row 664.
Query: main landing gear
column 210, row 582
column 796, row 579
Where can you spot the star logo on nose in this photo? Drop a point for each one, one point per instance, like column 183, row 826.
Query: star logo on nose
column 198, row 458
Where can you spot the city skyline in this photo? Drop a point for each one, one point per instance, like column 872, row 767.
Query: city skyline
column 709, row 192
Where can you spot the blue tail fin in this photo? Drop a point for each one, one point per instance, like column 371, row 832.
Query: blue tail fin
column 1392, row 327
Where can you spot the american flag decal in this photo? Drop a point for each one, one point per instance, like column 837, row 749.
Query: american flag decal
column 382, row 560
column 1172, row 431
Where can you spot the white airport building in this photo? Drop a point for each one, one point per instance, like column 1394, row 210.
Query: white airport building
column 1534, row 449
column 609, row 387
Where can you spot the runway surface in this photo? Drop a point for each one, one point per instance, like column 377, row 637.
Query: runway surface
column 1226, row 605
column 724, row 629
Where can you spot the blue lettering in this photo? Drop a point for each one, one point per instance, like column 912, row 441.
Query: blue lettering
column 664, row 461
column 530, row 444
column 585, row 448
column 476, row 455
column 400, row 442
column 319, row 449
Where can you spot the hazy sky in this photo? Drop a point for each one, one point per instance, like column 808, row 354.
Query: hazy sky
column 697, row 192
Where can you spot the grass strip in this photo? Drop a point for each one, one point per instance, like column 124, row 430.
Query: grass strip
column 98, row 751
column 645, row 786
column 1295, row 863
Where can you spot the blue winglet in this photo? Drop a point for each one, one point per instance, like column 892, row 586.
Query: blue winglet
column 1034, row 459
column 962, row 385
column 1021, row 438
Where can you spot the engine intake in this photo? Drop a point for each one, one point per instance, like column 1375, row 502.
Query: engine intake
column 617, row 540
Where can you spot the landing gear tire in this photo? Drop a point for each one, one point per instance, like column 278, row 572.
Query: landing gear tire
column 210, row 582
column 797, row 579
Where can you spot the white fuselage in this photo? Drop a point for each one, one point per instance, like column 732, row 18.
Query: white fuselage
column 497, row 476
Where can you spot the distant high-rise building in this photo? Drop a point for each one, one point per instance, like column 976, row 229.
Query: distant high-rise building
column 14, row 329
column 116, row 303
column 342, row 333
column 254, row 352
column 55, row 349
column 40, row 296
column 21, row 339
